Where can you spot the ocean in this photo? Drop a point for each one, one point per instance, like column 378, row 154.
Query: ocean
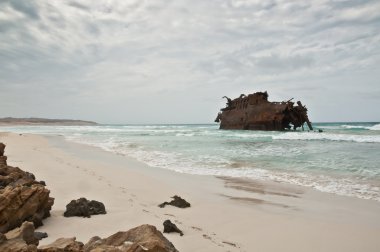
column 344, row 159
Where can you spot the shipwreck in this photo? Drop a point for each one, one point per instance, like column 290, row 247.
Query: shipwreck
column 255, row 112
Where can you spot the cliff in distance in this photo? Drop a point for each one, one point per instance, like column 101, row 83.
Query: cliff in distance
column 43, row 121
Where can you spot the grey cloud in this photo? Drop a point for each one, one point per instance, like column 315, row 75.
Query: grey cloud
column 349, row 3
column 370, row 95
column 92, row 28
column 80, row 6
column 6, row 26
column 266, row 5
column 284, row 63
column 344, row 24
column 248, row 59
column 28, row 8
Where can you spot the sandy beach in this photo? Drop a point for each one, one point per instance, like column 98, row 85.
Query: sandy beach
column 226, row 214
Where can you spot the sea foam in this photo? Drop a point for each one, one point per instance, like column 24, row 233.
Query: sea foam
column 328, row 137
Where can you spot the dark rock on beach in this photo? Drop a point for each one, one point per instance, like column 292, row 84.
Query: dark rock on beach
column 2, row 147
column 177, row 202
column 22, row 198
column 40, row 235
column 170, row 227
column 84, row 207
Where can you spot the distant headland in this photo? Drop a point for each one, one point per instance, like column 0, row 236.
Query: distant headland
column 43, row 121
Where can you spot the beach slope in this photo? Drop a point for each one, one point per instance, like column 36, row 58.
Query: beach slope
column 226, row 214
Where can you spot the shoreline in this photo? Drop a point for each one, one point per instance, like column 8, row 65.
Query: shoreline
column 347, row 165
column 226, row 213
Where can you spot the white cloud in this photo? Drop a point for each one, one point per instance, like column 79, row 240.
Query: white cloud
column 107, row 53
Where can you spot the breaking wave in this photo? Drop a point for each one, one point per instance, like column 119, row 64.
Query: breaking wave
column 328, row 137
column 374, row 127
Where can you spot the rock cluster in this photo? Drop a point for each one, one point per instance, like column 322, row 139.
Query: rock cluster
column 138, row 239
column 19, row 239
column 25, row 239
column 24, row 202
column 84, row 207
column 22, row 197
column 142, row 238
column 177, row 202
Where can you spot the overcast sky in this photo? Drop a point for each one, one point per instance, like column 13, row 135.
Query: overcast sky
column 162, row 61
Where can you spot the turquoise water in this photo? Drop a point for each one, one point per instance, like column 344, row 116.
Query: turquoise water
column 343, row 159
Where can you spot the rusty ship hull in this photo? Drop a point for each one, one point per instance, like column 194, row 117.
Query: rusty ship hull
column 255, row 112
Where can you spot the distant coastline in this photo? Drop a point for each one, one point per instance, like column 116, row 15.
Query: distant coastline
column 43, row 121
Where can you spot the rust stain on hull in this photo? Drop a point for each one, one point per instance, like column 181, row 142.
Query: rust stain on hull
column 255, row 112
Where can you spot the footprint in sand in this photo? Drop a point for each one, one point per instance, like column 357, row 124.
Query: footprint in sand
column 196, row 228
column 123, row 190
column 206, row 237
column 230, row 243
column 170, row 215
column 209, row 238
